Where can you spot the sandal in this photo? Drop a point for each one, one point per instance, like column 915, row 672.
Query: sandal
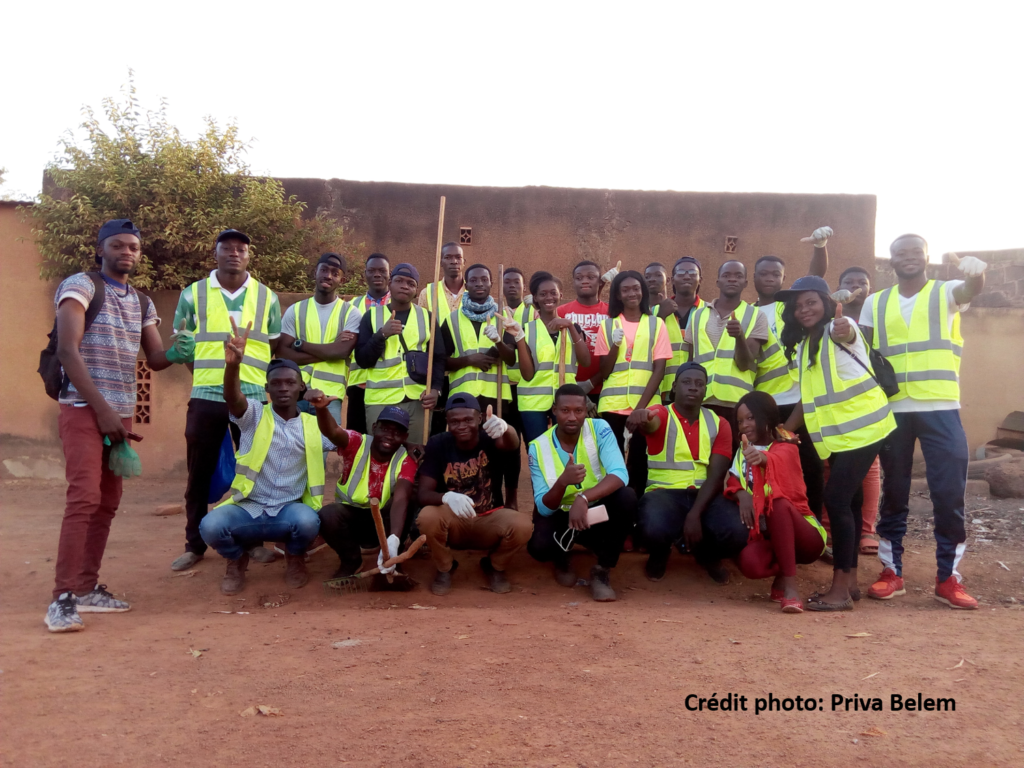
column 814, row 604
column 776, row 595
column 868, row 545
column 854, row 595
column 792, row 605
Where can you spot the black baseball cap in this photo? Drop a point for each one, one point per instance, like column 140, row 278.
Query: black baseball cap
column 117, row 227
column 279, row 362
column 395, row 415
column 462, row 400
column 234, row 234
column 332, row 259
column 801, row 284
column 407, row 270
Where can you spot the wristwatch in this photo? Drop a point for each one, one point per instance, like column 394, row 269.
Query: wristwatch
column 297, row 344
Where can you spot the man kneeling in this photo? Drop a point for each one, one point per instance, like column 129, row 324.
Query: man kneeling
column 460, row 490
column 587, row 502
column 279, row 480
column 376, row 466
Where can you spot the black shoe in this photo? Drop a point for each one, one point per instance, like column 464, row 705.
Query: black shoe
column 442, row 583
column 600, row 589
column 564, row 574
column 495, row 579
column 718, row 572
column 655, row 567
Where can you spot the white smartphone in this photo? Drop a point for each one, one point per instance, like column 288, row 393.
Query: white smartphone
column 598, row 514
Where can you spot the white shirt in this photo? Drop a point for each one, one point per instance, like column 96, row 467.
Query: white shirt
column 324, row 310
column 791, row 395
column 911, row 404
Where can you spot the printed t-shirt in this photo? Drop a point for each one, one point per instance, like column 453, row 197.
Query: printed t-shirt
column 378, row 469
column 469, row 472
column 589, row 318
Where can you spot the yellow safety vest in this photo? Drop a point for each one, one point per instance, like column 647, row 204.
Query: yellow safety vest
column 248, row 465
column 775, row 374
column 744, row 474
column 726, row 382
column 437, row 301
column 552, row 466
column 925, row 356
column 388, row 382
column 356, row 492
column 538, row 394
column 331, row 377
column 675, row 466
column 628, row 380
column 522, row 314
column 840, row 415
column 677, row 339
column 468, row 342
column 214, row 328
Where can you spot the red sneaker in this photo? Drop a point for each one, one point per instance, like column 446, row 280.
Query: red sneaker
column 792, row 605
column 951, row 592
column 776, row 595
column 888, row 586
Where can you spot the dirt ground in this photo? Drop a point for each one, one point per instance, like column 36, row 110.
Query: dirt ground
column 540, row 677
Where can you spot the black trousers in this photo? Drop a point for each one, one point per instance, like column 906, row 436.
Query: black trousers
column 355, row 419
column 636, row 462
column 604, row 539
column 438, row 423
column 662, row 513
column 346, row 529
column 810, row 464
column 512, row 467
column 844, row 500
column 205, row 424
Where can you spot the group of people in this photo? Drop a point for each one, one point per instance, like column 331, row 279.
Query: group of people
column 732, row 431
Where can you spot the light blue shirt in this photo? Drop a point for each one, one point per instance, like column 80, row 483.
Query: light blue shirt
column 608, row 452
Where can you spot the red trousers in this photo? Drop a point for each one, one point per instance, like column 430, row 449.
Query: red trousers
column 92, row 498
column 792, row 540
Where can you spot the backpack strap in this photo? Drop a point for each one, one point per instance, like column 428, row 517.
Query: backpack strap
column 98, row 295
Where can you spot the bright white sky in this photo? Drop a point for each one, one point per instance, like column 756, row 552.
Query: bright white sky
column 917, row 103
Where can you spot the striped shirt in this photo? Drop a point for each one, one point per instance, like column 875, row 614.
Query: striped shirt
column 282, row 478
column 110, row 346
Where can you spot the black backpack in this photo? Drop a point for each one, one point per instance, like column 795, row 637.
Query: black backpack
column 54, row 380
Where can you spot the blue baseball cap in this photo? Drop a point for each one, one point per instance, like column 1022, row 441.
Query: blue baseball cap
column 462, row 400
column 407, row 270
column 395, row 415
column 801, row 284
column 117, row 227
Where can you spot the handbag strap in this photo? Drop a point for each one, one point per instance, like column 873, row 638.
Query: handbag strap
column 859, row 361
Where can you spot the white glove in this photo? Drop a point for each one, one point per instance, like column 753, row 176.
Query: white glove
column 460, row 504
column 843, row 296
column 491, row 332
column 495, row 427
column 970, row 266
column 586, row 385
column 608, row 276
column 513, row 327
column 393, row 544
column 617, row 336
column 819, row 237
column 528, row 299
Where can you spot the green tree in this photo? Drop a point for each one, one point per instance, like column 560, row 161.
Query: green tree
column 180, row 194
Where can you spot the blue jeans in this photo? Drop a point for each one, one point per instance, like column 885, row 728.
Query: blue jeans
column 535, row 424
column 944, row 446
column 662, row 514
column 231, row 530
column 334, row 408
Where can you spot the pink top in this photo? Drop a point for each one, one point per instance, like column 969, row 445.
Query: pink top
column 662, row 345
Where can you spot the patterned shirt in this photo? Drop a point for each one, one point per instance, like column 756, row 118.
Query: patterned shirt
column 234, row 302
column 110, row 346
column 282, row 478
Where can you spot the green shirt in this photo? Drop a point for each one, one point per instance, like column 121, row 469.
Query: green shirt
column 186, row 312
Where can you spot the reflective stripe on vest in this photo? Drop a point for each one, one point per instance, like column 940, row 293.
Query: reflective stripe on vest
column 775, row 374
column 331, row 377
column 925, row 356
column 522, row 314
column 726, row 382
column 628, row 380
column 538, row 394
column 388, row 382
column 248, row 466
column 677, row 338
column 437, row 298
column 840, row 415
column 356, row 492
column 551, row 464
column 675, row 466
column 213, row 328
column 468, row 341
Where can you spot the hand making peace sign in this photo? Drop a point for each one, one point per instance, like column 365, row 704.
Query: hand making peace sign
column 234, row 347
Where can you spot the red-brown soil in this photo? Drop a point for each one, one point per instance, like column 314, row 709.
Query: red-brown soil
column 540, row 677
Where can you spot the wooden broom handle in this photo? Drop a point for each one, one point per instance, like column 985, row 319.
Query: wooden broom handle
column 436, row 321
column 382, row 537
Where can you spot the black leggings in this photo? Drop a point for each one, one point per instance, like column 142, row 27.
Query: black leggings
column 810, row 464
column 844, row 497
column 636, row 462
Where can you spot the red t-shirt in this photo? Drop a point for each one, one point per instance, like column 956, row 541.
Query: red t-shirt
column 656, row 440
column 378, row 469
column 589, row 319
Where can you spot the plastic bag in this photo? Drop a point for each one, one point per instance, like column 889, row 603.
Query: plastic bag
column 124, row 461
column 225, row 471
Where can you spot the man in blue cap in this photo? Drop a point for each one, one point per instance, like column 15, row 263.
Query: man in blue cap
column 97, row 402
column 460, row 490
column 374, row 466
column 279, row 472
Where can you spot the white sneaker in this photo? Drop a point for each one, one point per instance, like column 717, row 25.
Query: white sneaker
column 101, row 601
column 62, row 615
